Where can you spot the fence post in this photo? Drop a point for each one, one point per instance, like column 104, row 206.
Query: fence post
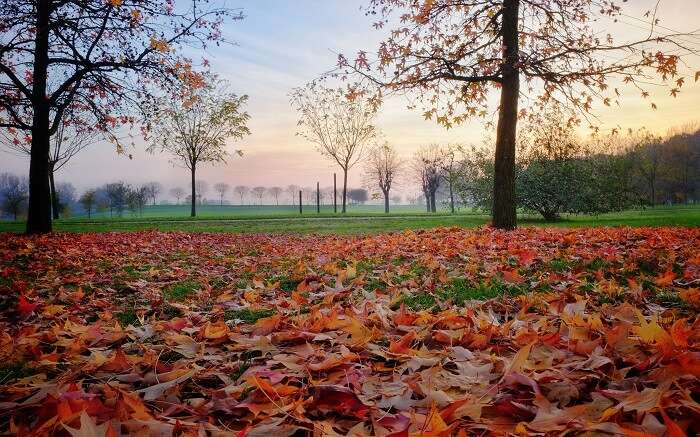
column 335, row 200
column 300, row 208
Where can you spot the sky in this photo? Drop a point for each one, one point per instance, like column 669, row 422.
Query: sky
column 282, row 44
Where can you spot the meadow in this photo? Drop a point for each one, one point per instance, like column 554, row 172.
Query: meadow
column 360, row 219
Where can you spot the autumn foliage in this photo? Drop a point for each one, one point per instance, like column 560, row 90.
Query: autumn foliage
column 431, row 333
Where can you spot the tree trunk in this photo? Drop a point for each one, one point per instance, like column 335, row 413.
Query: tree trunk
column 345, row 188
column 39, row 212
column 452, row 197
column 504, row 176
column 54, row 196
column 386, row 202
column 432, row 202
column 193, row 209
column 426, row 194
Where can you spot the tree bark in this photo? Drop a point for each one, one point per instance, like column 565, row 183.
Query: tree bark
column 386, row 202
column 193, row 209
column 54, row 196
column 504, row 216
column 39, row 212
column 345, row 188
column 432, row 202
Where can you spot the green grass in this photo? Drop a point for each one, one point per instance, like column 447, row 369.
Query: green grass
column 361, row 220
column 181, row 290
column 247, row 315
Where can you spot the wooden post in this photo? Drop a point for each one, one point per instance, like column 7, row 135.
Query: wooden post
column 335, row 199
column 300, row 208
column 318, row 198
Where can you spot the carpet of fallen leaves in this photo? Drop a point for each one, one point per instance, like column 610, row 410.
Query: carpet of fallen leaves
column 432, row 333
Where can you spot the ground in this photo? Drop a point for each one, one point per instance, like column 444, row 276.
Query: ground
column 434, row 333
column 361, row 219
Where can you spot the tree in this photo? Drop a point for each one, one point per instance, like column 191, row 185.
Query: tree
column 647, row 150
column 427, row 163
column 88, row 201
column 64, row 145
column 293, row 191
column 682, row 152
column 358, row 195
column 241, row 190
column 275, row 192
column 381, row 169
column 201, row 189
column 117, row 194
column 259, row 192
column 340, row 125
column 14, row 192
column 221, row 188
column 152, row 190
column 396, row 199
column 196, row 131
column 450, row 171
column 454, row 54
column 97, row 64
column 177, row 193
column 65, row 196
column 136, row 199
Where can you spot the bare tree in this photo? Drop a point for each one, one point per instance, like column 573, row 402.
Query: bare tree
column 449, row 165
column 647, row 150
column 197, row 131
column 339, row 124
column 293, row 191
column 152, row 190
column 14, row 192
column 201, row 189
column 221, row 188
column 427, row 162
column 88, row 200
column 177, row 193
column 259, row 192
column 275, row 192
column 241, row 190
column 382, row 168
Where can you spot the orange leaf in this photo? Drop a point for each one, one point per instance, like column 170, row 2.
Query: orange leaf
column 666, row 279
column 266, row 325
column 403, row 346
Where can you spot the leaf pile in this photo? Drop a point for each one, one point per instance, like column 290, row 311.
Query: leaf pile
column 432, row 333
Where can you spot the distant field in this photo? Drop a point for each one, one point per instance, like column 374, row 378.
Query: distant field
column 359, row 220
column 228, row 211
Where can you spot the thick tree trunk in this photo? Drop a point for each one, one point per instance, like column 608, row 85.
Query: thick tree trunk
column 386, row 202
column 432, row 202
column 345, row 188
column 39, row 213
column 426, row 194
column 193, row 209
column 54, row 196
column 504, row 176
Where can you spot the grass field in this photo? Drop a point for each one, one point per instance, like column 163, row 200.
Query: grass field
column 361, row 219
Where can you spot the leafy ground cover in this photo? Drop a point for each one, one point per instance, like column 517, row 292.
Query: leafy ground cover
column 432, row 333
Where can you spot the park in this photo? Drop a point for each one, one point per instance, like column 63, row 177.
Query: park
column 372, row 218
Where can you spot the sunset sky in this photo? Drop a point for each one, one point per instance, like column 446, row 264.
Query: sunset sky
column 282, row 44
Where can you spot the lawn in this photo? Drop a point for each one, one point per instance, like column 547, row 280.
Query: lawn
column 359, row 220
column 433, row 333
